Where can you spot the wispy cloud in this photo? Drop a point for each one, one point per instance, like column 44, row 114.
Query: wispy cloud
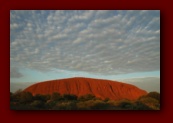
column 107, row 42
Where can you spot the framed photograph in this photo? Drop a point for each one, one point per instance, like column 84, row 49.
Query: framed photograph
column 84, row 59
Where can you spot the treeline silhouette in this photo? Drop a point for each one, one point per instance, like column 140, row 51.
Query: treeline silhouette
column 26, row 101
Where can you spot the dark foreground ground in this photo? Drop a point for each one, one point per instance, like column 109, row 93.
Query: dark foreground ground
column 26, row 101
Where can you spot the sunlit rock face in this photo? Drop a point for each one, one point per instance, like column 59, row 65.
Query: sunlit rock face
column 81, row 86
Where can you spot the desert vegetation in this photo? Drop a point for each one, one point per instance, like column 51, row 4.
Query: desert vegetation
column 21, row 100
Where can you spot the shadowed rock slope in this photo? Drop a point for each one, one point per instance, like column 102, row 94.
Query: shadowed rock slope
column 82, row 86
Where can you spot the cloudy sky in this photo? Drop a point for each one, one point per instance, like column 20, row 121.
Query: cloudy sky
column 51, row 44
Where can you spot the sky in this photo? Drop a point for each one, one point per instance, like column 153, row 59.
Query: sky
column 106, row 44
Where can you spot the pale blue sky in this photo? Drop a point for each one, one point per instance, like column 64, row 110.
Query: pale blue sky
column 112, row 44
column 37, row 76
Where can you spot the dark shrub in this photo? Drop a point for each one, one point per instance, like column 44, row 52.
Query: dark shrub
column 86, row 97
column 26, row 97
column 56, row 96
column 69, row 97
column 154, row 95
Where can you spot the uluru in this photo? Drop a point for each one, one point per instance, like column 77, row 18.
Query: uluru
column 80, row 86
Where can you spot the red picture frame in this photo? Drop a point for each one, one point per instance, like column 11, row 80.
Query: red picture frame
column 163, row 115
